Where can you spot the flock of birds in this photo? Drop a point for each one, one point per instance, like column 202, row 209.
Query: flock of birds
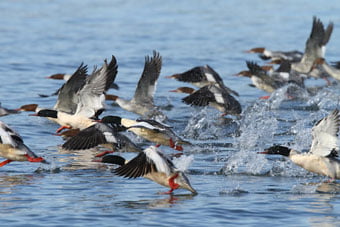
column 81, row 101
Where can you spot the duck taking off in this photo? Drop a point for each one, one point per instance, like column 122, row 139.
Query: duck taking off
column 322, row 157
column 153, row 165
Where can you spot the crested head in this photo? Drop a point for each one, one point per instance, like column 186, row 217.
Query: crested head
column 259, row 50
column 277, row 149
column 111, row 97
column 186, row 90
column 47, row 113
column 57, row 76
column 111, row 119
column 28, row 107
column 267, row 67
column 276, row 61
column 319, row 61
column 175, row 76
column 244, row 73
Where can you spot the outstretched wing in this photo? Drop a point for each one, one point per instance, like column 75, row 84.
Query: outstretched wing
column 147, row 83
column 91, row 137
column 325, row 132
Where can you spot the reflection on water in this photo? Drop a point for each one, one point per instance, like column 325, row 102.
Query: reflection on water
column 321, row 197
column 167, row 202
column 8, row 182
column 79, row 159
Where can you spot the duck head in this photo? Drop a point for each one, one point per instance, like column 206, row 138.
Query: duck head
column 46, row 113
column 184, row 183
column 186, row 90
column 277, row 149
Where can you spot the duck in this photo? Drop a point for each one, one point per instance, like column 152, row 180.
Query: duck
column 149, row 129
column 142, row 102
column 315, row 46
column 81, row 98
column 322, row 156
column 12, row 147
column 262, row 80
column 101, row 134
column 213, row 96
column 201, row 76
column 154, row 165
column 277, row 56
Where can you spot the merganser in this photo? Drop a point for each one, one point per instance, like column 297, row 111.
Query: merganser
column 321, row 158
column 213, row 96
column 4, row 111
column 315, row 46
column 201, row 76
column 153, row 165
column 261, row 79
column 142, row 102
column 12, row 147
column 81, row 98
column 332, row 71
column 101, row 134
column 150, row 130
column 265, row 54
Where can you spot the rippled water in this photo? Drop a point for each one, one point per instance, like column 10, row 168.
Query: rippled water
column 235, row 185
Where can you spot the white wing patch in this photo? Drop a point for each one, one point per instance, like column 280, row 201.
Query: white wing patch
column 284, row 75
column 145, row 125
column 219, row 98
column 158, row 160
column 210, row 77
column 109, row 137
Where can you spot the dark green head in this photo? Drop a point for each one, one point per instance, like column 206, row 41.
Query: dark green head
column 114, row 121
column 277, row 149
column 47, row 113
column 113, row 159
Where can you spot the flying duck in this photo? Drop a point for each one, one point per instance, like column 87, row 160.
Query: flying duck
column 150, row 130
column 12, row 147
column 153, row 165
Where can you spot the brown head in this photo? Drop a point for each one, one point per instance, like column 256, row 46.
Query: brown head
column 69, row 133
column 28, row 107
column 186, row 90
column 111, row 97
column 267, row 67
column 258, row 50
column 243, row 73
column 57, row 76
column 318, row 61
column 175, row 76
column 276, row 61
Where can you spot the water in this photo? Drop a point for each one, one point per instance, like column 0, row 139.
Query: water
column 235, row 185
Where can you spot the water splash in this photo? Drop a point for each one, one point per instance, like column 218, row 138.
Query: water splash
column 206, row 125
column 257, row 127
column 182, row 163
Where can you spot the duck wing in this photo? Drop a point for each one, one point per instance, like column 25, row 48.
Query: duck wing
column 91, row 96
column 147, row 83
column 92, row 136
column 150, row 160
column 67, row 94
column 325, row 132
